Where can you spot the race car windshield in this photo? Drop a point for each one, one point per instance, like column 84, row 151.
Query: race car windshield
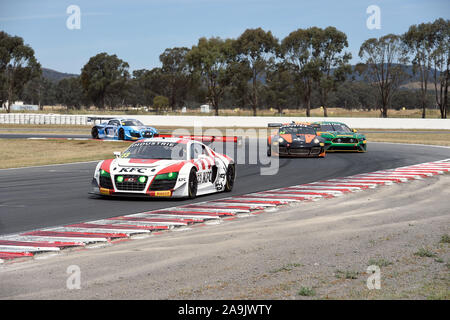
column 156, row 150
column 326, row 127
column 132, row 123
column 297, row 130
column 341, row 128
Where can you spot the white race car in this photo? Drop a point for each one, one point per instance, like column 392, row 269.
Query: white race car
column 164, row 167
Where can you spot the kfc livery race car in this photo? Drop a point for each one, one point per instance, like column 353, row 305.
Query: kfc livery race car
column 339, row 137
column 123, row 129
column 164, row 167
column 295, row 140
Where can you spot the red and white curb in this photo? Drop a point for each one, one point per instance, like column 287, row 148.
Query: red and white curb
column 55, row 239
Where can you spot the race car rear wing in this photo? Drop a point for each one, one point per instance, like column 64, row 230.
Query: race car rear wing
column 278, row 125
column 94, row 119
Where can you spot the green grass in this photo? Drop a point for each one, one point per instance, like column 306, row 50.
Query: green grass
column 423, row 252
column 25, row 153
column 306, row 292
column 445, row 239
column 380, row 262
column 287, row 267
column 346, row 274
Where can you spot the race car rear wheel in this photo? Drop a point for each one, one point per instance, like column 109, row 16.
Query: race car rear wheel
column 121, row 135
column 94, row 133
column 192, row 184
column 230, row 175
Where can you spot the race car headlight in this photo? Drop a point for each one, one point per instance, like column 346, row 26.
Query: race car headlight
column 364, row 141
column 142, row 179
column 281, row 140
column 167, row 176
column 316, row 141
column 105, row 173
column 322, row 144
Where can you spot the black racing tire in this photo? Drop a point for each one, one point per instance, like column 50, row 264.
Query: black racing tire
column 230, row 175
column 121, row 135
column 94, row 133
column 192, row 184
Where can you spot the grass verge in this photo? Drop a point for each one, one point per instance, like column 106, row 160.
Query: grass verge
column 23, row 153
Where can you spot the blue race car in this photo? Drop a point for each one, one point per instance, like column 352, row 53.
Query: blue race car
column 123, row 129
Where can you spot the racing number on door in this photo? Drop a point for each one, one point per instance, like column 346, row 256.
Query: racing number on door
column 203, row 162
column 204, row 176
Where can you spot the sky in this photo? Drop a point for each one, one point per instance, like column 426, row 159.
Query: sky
column 138, row 31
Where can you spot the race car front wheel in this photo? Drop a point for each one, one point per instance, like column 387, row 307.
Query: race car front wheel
column 192, row 184
column 231, row 174
column 121, row 135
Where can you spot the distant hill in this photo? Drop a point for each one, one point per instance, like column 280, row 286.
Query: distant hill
column 56, row 76
column 408, row 69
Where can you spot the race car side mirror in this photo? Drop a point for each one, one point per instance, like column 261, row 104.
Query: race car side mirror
column 117, row 154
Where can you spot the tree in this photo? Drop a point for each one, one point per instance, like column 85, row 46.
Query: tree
column 175, row 70
column 239, row 73
column 160, row 103
column 418, row 40
column 40, row 91
column 69, row 93
column 297, row 49
column 383, row 66
column 210, row 59
column 104, row 79
column 257, row 49
column 279, row 87
column 440, row 58
column 17, row 66
column 328, row 46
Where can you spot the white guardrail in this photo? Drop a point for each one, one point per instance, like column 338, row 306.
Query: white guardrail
column 230, row 121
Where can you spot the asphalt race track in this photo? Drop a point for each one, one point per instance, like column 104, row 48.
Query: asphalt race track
column 54, row 195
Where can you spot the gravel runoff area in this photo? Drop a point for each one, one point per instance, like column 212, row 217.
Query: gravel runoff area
column 316, row 250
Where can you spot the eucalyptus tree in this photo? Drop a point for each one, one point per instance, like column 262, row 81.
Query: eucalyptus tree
column 210, row 59
column 440, row 63
column 69, row 93
column 419, row 41
column 18, row 65
column 278, row 93
column 256, row 49
column 104, row 79
column 384, row 59
column 297, row 49
column 328, row 53
column 177, row 75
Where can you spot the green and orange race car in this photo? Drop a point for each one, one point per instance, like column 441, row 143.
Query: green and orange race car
column 296, row 139
column 339, row 137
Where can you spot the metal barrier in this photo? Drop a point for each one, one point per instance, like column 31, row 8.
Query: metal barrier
column 230, row 121
column 56, row 119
